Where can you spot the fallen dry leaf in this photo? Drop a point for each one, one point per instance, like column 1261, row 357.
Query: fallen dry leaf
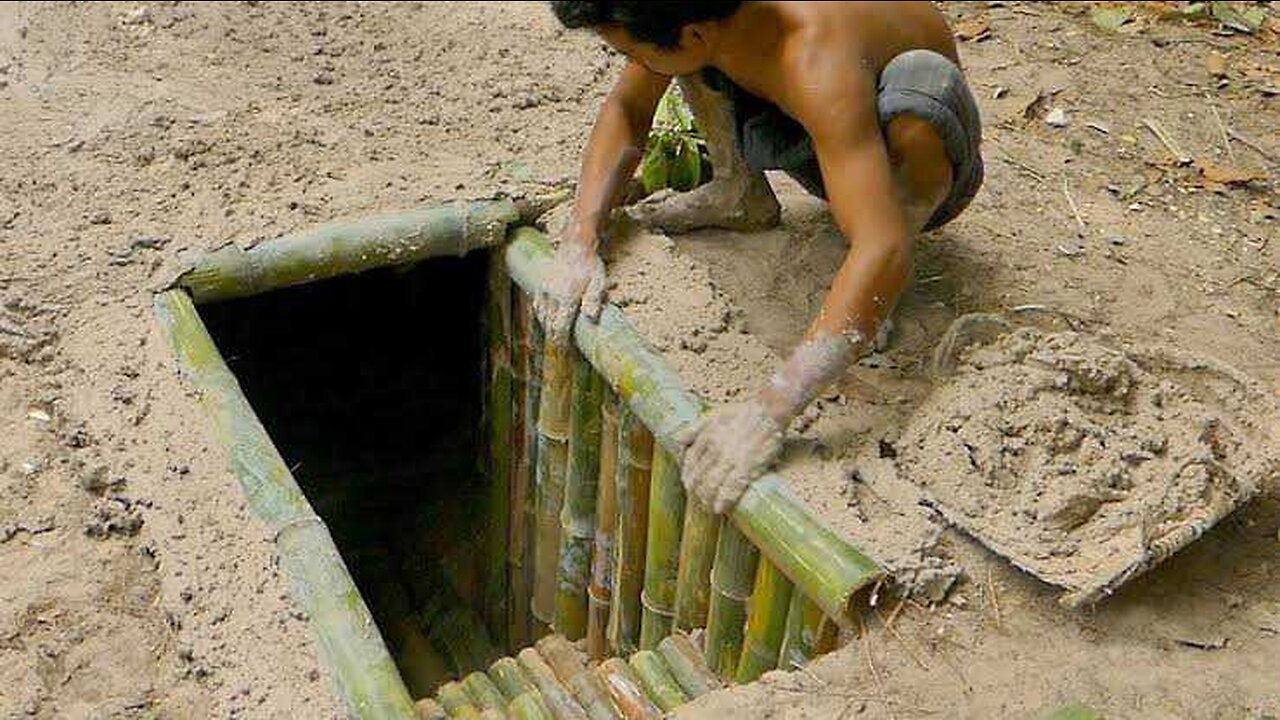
column 1216, row 64
column 977, row 29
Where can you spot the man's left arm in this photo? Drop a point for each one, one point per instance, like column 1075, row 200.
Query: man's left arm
column 738, row 443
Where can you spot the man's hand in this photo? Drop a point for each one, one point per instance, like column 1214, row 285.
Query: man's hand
column 577, row 282
column 729, row 449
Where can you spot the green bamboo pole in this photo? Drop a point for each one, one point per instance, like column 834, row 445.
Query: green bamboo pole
column 658, row 681
column 594, row 697
column 484, row 694
column 822, row 564
column 524, row 441
column 429, row 709
column 460, row 633
column 766, row 622
column 557, row 698
column 530, row 706
column 347, row 247
column 635, row 458
column 662, row 555
column 510, row 679
column 578, row 518
column 500, row 437
column 687, row 665
column 562, row 657
column 627, row 690
column 363, row 673
column 456, row 702
column 601, row 587
column 808, row 634
column 553, row 462
column 732, row 578
column 697, row 554
column 534, row 355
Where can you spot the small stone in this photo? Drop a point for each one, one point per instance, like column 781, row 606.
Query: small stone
column 1057, row 118
column 139, row 16
column 322, row 78
column 102, row 217
column 1118, row 240
column 40, row 416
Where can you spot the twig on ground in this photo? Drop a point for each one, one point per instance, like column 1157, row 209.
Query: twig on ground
column 893, row 615
column 1222, row 128
column 1167, row 141
column 871, row 665
column 915, row 657
column 1075, row 211
column 995, row 599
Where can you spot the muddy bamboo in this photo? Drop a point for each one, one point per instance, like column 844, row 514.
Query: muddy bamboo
column 601, row 586
column 825, row 567
column 808, row 634
column 635, row 456
column 361, row 669
column 348, row 247
column 562, row 657
column 697, row 553
column 578, row 517
column 553, row 461
column 732, row 578
column 557, row 697
column 662, row 551
column 484, row 694
column 687, row 665
column 509, row 678
column 766, row 622
column 499, row 411
column 627, row 691
column 530, row 706
column 659, row 683
column 593, row 696
column 523, row 440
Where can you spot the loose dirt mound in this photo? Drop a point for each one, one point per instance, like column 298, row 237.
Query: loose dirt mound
column 1082, row 464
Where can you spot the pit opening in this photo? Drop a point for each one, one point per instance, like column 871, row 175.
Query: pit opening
column 371, row 387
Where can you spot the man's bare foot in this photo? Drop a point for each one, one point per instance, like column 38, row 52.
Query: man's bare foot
column 732, row 204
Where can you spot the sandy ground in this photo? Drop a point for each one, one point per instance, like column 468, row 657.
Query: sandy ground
column 135, row 583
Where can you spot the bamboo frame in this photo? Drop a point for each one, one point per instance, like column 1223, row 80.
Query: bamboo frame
column 599, row 592
column 809, row 634
column 347, row 247
column 530, row 706
column 697, row 554
column 484, row 694
column 553, row 463
column 558, row 699
column 635, row 457
column 361, row 668
column 627, row 690
column 429, row 709
column 825, row 567
column 534, row 355
column 498, row 407
column 766, row 622
column 524, row 443
column 687, row 666
column 510, row 679
column 455, row 700
column 662, row 549
column 731, row 583
column 563, row 659
column 659, row 683
column 594, row 697
column 578, row 517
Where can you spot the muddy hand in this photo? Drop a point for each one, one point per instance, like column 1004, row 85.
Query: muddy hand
column 732, row 447
column 577, row 282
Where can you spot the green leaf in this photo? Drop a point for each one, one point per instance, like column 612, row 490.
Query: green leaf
column 653, row 173
column 686, row 166
column 1110, row 18
column 1248, row 21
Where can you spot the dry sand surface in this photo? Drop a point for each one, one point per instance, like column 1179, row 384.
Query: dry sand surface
column 135, row 583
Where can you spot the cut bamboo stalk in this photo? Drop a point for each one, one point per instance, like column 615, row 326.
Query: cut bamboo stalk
column 524, row 440
column 534, row 355
column 578, row 518
column 557, row 698
column 822, row 564
column 766, row 622
column 460, row 633
column 662, row 553
column 484, row 694
column 453, row 697
column 510, row 679
column 562, row 657
column 499, row 410
column 732, row 578
column 635, row 457
column 687, row 666
column 627, row 691
column 808, row 634
column 530, row 706
column 658, row 681
column 348, row 247
column 590, row 692
column 361, row 668
column 553, row 461
column 601, row 587
column 697, row 554
column 429, row 709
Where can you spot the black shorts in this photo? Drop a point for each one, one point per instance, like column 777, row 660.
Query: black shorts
column 921, row 82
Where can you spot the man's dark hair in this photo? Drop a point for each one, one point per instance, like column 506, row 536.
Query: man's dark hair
column 659, row 23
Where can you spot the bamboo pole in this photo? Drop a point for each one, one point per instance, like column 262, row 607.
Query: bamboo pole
column 658, row 681
column 530, row 706
column 766, row 622
column 557, row 698
column 429, row 709
column 697, row 554
column 524, row 441
column 534, row 355
column 732, row 577
column 459, row 632
column 456, row 702
column 578, row 518
column 362, row 671
column 635, row 457
column 627, row 690
column 601, row 587
column 500, row 437
column 347, row 247
column 809, row 634
column 509, row 678
column 662, row 554
column 553, row 461
column 687, row 666
column 563, row 659
column 590, row 692
column 824, row 566
column 484, row 694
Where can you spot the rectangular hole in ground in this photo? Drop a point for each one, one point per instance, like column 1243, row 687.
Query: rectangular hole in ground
column 370, row 386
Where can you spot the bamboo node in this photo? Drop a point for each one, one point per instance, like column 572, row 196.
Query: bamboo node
column 644, row 601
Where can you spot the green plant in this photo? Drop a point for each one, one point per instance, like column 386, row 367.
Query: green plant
column 674, row 155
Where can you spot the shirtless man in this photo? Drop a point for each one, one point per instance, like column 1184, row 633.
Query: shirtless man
column 862, row 102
